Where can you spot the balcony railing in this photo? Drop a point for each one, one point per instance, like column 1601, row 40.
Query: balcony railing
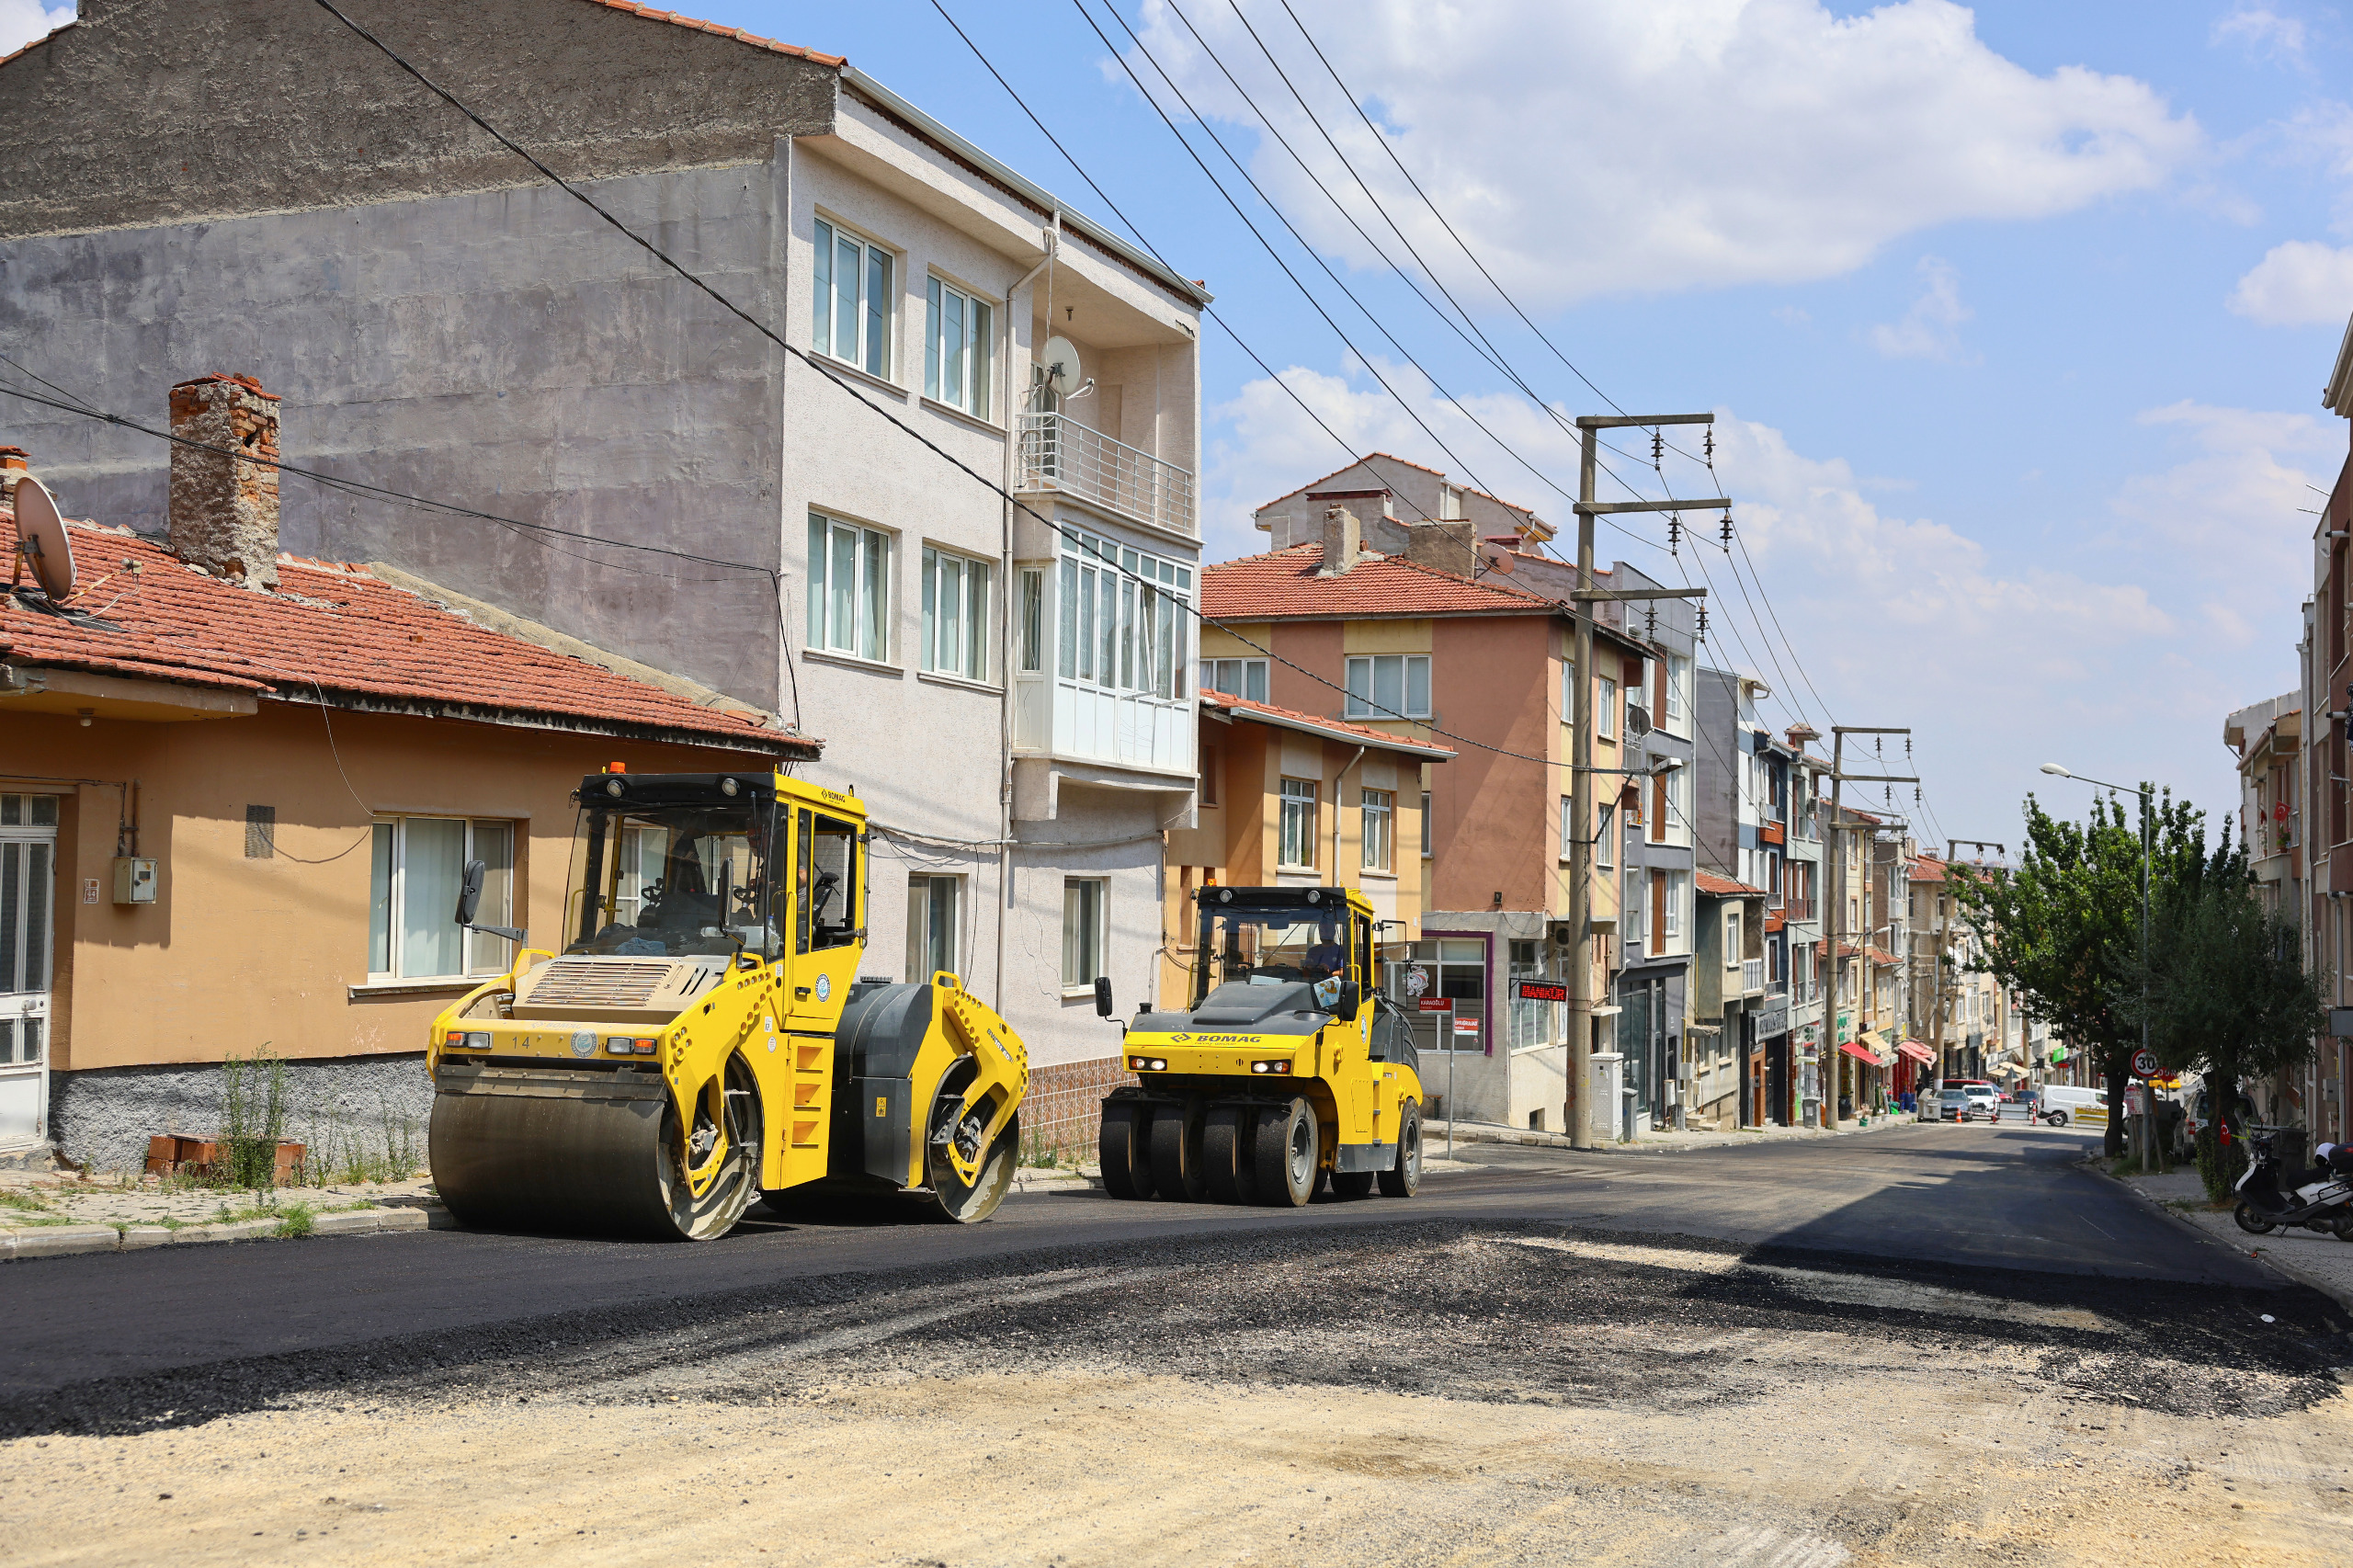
column 1752, row 974
column 1059, row 453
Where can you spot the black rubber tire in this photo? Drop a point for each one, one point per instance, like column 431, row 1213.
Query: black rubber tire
column 1127, row 1166
column 1228, row 1153
column 1176, row 1174
column 2251, row 1221
column 2057, row 1118
column 1352, row 1183
column 1405, row 1178
column 1289, row 1154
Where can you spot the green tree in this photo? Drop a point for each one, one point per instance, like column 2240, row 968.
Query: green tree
column 2228, row 992
column 2063, row 929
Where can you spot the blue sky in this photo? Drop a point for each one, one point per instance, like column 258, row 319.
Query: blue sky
column 2015, row 318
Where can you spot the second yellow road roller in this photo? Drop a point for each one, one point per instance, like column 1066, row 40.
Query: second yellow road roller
column 700, row 1036
column 1285, row 1071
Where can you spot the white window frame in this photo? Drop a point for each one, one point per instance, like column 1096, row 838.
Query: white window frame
column 1732, row 936
column 924, row 892
column 479, row 953
column 1365, row 683
column 1426, row 838
column 1086, row 932
column 1678, row 904
column 959, row 377
column 1605, row 852
column 1568, row 827
column 1299, row 800
column 869, row 634
column 1378, row 827
column 1033, row 620
column 873, row 318
column 1676, row 721
column 1116, row 633
column 969, row 578
column 1252, row 685
column 1604, row 708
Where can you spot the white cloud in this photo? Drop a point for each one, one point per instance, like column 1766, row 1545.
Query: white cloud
column 1661, row 144
column 2231, row 504
column 2301, row 283
column 21, row 21
column 2262, row 31
column 1930, row 329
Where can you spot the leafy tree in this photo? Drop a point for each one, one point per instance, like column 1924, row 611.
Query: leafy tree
column 2228, row 991
column 2063, row 929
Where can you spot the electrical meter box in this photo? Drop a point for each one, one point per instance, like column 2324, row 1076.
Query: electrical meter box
column 134, row 880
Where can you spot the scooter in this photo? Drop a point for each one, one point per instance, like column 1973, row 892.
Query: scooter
column 2318, row 1200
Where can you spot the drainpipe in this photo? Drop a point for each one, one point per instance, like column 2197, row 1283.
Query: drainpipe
column 1336, row 815
column 1004, row 651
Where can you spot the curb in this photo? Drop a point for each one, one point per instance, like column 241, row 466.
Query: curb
column 63, row 1241
column 2269, row 1257
column 1487, row 1132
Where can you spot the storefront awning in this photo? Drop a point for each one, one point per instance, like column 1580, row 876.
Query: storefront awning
column 1915, row 1051
column 1859, row 1053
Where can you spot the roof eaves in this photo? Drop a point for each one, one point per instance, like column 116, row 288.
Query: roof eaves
column 36, row 43
column 1332, row 728
column 1028, row 190
column 738, row 34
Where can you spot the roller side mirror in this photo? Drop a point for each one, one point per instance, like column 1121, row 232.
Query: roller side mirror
column 1102, row 995
column 470, row 903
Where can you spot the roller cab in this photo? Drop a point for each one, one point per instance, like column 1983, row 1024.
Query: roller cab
column 684, row 1050
column 1286, row 1070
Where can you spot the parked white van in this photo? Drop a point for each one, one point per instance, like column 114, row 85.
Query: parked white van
column 2064, row 1104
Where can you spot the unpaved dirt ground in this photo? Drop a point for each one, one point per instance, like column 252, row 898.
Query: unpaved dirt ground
column 1430, row 1393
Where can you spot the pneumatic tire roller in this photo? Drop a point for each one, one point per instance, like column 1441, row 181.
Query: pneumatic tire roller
column 704, row 1041
column 1287, row 1072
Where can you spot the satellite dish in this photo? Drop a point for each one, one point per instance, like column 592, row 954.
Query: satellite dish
column 1059, row 361
column 1496, row 558
column 41, row 541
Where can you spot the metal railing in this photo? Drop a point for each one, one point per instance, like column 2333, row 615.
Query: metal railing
column 1752, row 974
column 1059, row 453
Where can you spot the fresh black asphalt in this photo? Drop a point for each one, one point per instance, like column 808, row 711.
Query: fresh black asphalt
column 115, row 1340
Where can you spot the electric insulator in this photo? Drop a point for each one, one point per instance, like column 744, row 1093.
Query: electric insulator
column 1727, row 530
column 1658, row 448
column 1675, row 533
column 1710, row 447
column 1702, row 634
column 1650, row 621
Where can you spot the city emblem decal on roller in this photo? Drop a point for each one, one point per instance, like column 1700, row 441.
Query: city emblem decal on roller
column 583, row 1044
column 824, row 988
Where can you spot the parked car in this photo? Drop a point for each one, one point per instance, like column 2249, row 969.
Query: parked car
column 1983, row 1099
column 2064, row 1104
column 1953, row 1103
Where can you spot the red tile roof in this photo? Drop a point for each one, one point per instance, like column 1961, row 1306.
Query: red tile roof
column 337, row 631
column 1725, row 887
column 1339, row 729
column 1927, row 869
column 1282, row 583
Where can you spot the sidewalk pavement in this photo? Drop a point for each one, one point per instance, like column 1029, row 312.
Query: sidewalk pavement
column 2309, row 1258
column 1647, row 1141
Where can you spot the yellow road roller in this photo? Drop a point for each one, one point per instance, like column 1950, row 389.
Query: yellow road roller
column 703, row 1038
column 1286, row 1070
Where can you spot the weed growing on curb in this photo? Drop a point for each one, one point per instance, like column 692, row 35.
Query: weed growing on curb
column 253, row 1119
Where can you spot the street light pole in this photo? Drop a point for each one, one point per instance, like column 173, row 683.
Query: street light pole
column 2147, row 1114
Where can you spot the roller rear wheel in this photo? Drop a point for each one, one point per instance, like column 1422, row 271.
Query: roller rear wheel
column 1228, row 1153
column 1122, row 1147
column 1289, row 1154
column 951, row 1196
column 1405, row 1178
column 1176, row 1173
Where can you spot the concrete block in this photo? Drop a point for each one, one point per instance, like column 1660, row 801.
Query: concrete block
column 439, row 1219
column 146, row 1237
column 242, row 1231
column 56, row 1241
column 350, row 1222
column 411, row 1220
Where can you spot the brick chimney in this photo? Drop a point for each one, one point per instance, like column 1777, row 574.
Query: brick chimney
column 14, row 465
column 224, row 511
column 1342, row 541
column 1448, row 546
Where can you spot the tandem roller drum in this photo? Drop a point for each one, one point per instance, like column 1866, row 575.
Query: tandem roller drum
column 594, row 1152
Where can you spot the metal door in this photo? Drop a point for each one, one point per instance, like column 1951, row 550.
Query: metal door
column 27, row 870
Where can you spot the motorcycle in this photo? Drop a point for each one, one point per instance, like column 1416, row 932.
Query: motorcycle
column 2271, row 1198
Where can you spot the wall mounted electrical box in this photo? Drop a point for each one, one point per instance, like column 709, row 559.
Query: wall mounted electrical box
column 134, row 880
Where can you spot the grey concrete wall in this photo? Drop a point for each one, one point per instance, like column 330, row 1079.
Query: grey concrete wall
column 144, row 114
column 103, row 1117
column 502, row 348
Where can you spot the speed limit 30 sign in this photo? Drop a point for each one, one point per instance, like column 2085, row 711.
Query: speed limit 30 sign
column 2144, row 1064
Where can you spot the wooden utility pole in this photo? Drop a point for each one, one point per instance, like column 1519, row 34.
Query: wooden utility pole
column 1825, row 1065
column 1580, row 998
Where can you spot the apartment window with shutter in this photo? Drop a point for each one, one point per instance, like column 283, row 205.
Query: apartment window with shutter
column 1033, row 622
column 851, row 313
column 955, row 615
column 1605, row 834
column 956, row 349
column 1604, row 708
column 934, row 912
column 1389, row 686
column 1568, row 826
column 1679, row 676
